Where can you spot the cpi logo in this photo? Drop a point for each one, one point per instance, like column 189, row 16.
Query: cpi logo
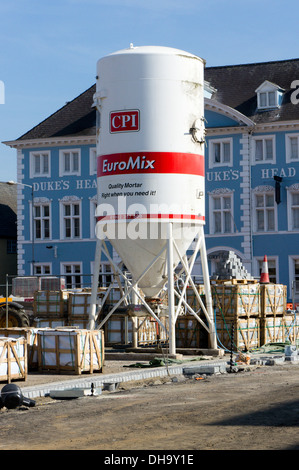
column 124, row 121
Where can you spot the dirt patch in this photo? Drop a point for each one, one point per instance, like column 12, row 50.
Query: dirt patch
column 256, row 409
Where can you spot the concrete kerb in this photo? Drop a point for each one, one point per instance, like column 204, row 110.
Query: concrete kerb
column 100, row 382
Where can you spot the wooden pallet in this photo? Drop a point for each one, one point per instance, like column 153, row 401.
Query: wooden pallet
column 234, row 281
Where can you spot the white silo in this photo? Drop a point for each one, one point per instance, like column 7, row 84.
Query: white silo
column 150, row 148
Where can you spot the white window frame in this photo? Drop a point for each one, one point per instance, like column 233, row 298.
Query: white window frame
column 70, row 201
column 221, row 142
column 42, row 218
column 32, row 168
column 266, row 88
column 265, row 209
column 267, row 93
column 288, row 148
column 222, row 210
column 93, row 161
column 263, row 138
column 294, row 189
column 71, row 172
column 72, row 274
column 43, row 267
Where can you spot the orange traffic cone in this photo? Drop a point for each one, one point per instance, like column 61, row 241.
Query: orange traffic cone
column 265, row 273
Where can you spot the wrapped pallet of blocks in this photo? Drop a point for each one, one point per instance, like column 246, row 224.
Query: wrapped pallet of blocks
column 291, row 328
column 280, row 329
column 241, row 333
column 237, row 310
column 273, row 299
column 13, row 359
column 236, row 300
column 118, row 329
column 78, row 309
column 30, row 335
column 70, row 350
column 188, row 332
column 50, row 309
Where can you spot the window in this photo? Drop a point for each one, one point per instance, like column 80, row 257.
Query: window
column 11, row 247
column 292, row 148
column 269, row 95
column 295, row 211
column 39, row 164
column 42, row 269
column 265, row 212
column 71, row 222
column 93, row 161
column 105, row 275
column 72, row 273
column 267, row 99
column 221, row 214
column 42, row 222
column 220, row 152
column 69, row 162
column 264, row 149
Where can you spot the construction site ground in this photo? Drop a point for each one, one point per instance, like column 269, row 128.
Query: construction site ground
column 160, row 409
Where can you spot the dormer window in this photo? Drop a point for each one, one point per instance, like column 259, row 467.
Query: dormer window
column 269, row 95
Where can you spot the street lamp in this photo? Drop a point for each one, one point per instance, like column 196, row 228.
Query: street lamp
column 32, row 214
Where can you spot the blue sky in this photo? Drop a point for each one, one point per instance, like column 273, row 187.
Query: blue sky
column 49, row 49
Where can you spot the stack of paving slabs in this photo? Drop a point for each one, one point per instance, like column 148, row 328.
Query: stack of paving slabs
column 277, row 324
column 237, row 309
column 13, row 359
column 231, row 267
column 50, row 309
column 70, row 350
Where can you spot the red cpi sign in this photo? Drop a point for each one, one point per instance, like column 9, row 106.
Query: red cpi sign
column 124, row 121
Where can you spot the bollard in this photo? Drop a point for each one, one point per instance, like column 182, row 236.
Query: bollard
column 12, row 397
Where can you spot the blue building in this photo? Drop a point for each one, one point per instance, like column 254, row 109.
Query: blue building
column 252, row 178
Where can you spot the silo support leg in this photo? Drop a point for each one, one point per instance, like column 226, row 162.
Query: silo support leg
column 95, row 283
column 208, row 295
column 171, row 305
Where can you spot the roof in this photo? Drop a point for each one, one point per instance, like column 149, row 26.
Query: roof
column 75, row 118
column 235, row 85
column 8, row 211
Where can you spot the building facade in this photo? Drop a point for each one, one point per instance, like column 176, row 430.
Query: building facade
column 252, row 178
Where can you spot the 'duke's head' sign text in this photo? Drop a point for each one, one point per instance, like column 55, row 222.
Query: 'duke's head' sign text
column 124, row 121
